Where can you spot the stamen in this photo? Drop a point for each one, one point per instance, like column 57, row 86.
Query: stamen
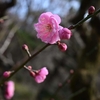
column 49, row 27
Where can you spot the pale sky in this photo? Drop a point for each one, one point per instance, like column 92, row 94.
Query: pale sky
column 21, row 8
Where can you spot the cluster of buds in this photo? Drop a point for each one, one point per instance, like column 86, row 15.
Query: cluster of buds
column 64, row 34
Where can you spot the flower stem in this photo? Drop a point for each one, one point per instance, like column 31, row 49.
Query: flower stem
column 86, row 18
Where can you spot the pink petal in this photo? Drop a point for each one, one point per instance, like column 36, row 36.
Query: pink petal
column 44, row 18
column 60, row 27
column 44, row 36
column 43, row 71
column 49, row 14
column 54, row 23
column 39, row 27
column 39, row 78
column 53, row 38
column 57, row 18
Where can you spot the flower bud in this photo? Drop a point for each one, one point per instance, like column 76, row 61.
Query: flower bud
column 65, row 33
column 62, row 46
column 29, row 67
column 91, row 10
column 39, row 75
column 6, row 74
column 25, row 47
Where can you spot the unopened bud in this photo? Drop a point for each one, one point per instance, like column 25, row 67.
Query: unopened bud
column 65, row 33
column 29, row 67
column 25, row 47
column 6, row 74
column 62, row 46
column 91, row 10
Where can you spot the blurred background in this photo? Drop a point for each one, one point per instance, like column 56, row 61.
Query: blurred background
column 82, row 56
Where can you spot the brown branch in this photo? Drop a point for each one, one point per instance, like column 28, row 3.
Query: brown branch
column 9, row 39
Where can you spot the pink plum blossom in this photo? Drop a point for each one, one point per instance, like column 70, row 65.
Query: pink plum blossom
column 39, row 75
column 47, row 27
column 9, row 90
column 65, row 33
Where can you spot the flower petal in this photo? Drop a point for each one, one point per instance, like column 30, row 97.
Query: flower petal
column 40, row 79
column 54, row 38
column 44, row 18
column 49, row 14
column 54, row 23
column 57, row 18
column 39, row 27
column 43, row 71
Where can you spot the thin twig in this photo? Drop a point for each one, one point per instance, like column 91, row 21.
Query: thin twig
column 86, row 18
column 21, row 66
column 9, row 39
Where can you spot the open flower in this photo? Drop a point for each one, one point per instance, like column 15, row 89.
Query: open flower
column 9, row 90
column 39, row 75
column 47, row 27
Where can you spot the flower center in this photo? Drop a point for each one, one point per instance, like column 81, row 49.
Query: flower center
column 49, row 27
